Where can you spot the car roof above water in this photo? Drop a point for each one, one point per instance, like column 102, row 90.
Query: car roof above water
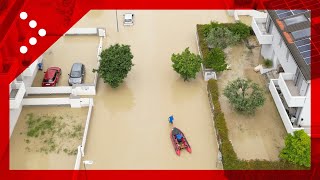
column 76, row 67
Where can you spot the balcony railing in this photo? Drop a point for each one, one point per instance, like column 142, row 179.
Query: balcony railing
column 281, row 109
column 15, row 101
column 290, row 91
column 259, row 28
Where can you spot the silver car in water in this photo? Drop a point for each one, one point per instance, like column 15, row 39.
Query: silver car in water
column 77, row 73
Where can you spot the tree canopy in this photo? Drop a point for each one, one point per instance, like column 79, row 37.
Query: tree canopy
column 115, row 64
column 244, row 95
column 187, row 64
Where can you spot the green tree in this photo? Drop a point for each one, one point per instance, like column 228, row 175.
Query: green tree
column 215, row 59
column 244, row 95
column 221, row 37
column 186, row 64
column 115, row 64
column 297, row 149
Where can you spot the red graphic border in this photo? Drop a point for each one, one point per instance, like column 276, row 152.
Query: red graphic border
column 57, row 16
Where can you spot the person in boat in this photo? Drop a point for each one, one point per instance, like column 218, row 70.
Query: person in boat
column 179, row 137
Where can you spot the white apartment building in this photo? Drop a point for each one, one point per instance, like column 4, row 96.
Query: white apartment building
column 284, row 36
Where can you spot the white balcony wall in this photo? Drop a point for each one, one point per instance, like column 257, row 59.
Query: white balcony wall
column 263, row 37
column 292, row 101
column 283, row 114
column 16, row 101
column 14, row 116
column 306, row 110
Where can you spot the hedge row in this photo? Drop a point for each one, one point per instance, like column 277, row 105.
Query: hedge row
column 241, row 29
column 230, row 160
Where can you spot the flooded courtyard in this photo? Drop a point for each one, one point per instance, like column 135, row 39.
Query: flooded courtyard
column 47, row 138
column 253, row 137
column 129, row 127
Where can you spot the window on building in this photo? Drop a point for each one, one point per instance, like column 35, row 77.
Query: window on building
column 280, row 42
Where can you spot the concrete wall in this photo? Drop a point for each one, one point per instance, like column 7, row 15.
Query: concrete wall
column 266, row 51
column 306, row 110
column 49, row 90
column 72, row 101
column 14, row 116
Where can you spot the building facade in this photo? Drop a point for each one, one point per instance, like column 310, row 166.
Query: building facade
column 285, row 37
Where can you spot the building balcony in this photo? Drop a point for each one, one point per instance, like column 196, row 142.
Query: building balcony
column 259, row 28
column 290, row 127
column 16, row 95
column 290, row 91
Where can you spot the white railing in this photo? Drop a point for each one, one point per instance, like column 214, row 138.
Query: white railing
column 85, row 133
column 16, row 101
column 78, row 159
column 81, row 147
column 282, row 111
column 292, row 101
column 263, row 38
column 49, row 90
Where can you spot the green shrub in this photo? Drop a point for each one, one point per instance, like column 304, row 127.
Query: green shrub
column 240, row 29
column 244, row 95
column 221, row 37
column 297, row 149
column 229, row 157
column 215, row 60
column 268, row 63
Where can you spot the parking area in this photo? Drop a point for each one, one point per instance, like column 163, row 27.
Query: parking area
column 47, row 137
column 66, row 51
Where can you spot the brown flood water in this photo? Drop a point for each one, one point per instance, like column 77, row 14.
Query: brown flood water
column 129, row 127
column 66, row 51
column 253, row 137
column 28, row 155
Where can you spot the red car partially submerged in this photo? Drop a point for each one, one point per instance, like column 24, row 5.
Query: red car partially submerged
column 51, row 76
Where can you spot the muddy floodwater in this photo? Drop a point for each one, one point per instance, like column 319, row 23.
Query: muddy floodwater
column 129, row 127
column 253, row 137
column 66, row 51
column 34, row 152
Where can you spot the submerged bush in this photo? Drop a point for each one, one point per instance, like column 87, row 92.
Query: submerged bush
column 215, row 60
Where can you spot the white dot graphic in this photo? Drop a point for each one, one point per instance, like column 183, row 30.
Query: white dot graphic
column 32, row 23
column 33, row 41
column 42, row 32
column 23, row 49
column 23, row 15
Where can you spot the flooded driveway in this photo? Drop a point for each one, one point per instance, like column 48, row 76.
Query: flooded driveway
column 129, row 127
column 47, row 151
column 66, row 51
